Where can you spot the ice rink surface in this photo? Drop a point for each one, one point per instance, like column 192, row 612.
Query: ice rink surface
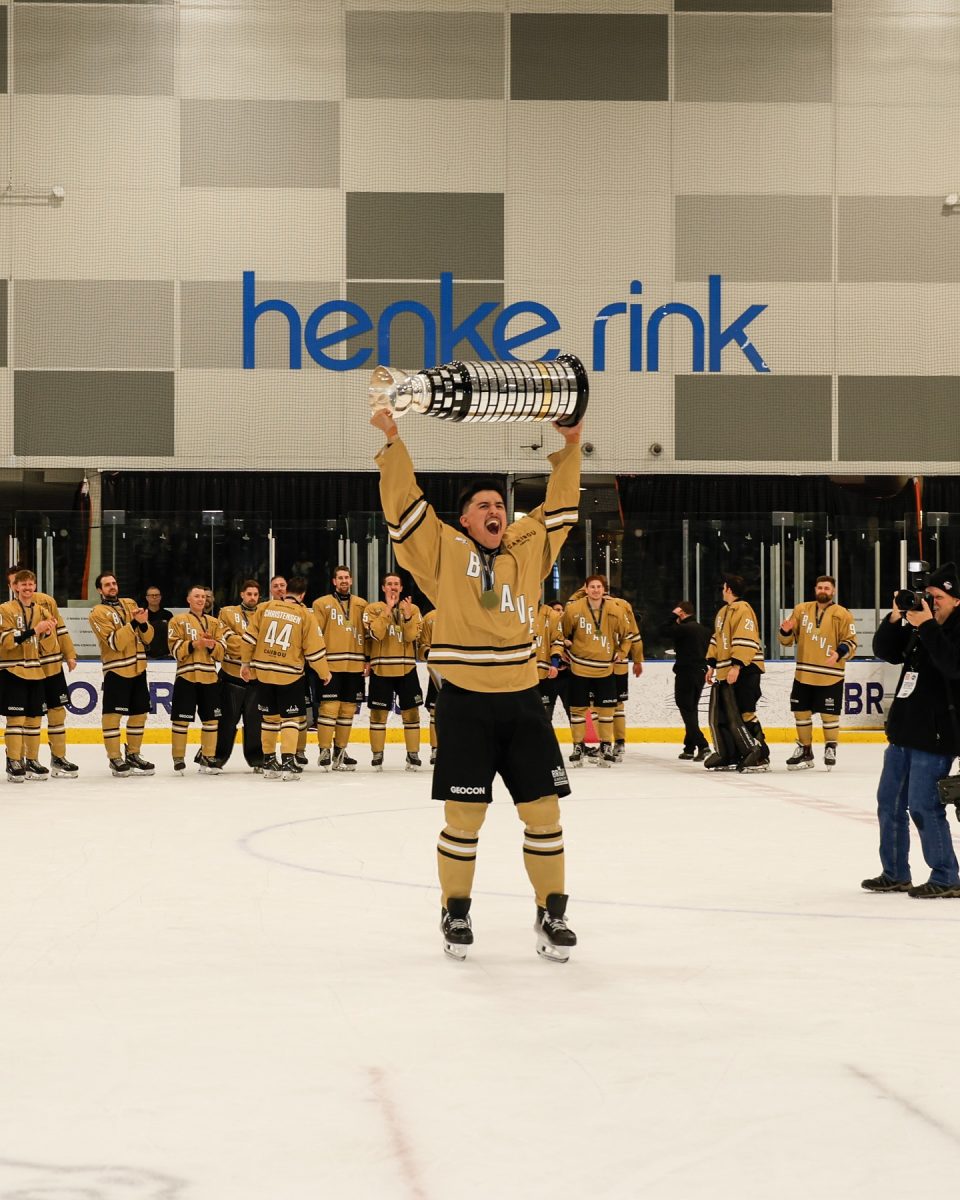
column 220, row 989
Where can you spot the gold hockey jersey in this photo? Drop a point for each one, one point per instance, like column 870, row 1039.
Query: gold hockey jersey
column 281, row 637
column 121, row 643
column 547, row 638
column 633, row 650
column 341, row 625
column 817, row 633
column 476, row 647
column 52, row 649
column 736, row 636
column 391, row 639
column 425, row 640
column 594, row 637
column 235, row 619
column 22, row 659
column 195, row 662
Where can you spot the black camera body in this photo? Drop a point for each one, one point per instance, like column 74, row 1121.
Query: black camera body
column 911, row 598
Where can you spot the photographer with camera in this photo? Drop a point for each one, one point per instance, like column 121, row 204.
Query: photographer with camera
column 922, row 633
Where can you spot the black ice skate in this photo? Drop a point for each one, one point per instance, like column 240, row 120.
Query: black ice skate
column 413, row 762
column 209, row 766
column 830, row 755
column 290, row 770
column 36, row 772
column 607, row 756
column 554, row 936
column 801, row 759
column 122, row 769
column 61, row 769
column 576, row 757
column 455, row 927
column 323, row 762
column 272, row 771
column 716, row 762
column 301, row 759
column 138, row 765
column 376, row 760
column 342, row 760
column 15, row 771
column 619, row 751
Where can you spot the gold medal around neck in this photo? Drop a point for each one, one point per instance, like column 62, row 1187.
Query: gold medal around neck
column 489, row 598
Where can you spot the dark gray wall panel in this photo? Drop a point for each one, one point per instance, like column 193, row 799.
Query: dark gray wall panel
column 754, row 6
column 897, row 239
column 260, row 143
column 896, row 418
column 407, row 330
column 96, row 413
column 416, row 235
column 747, row 59
column 425, row 55
column 80, row 49
column 589, row 56
column 741, row 417
column 3, row 50
column 753, row 238
column 87, row 324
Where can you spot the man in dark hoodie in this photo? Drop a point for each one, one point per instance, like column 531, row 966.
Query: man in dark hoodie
column 923, row 736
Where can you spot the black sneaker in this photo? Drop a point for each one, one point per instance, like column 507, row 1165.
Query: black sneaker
column 139, row 765
column 884, row 883
column 413, row 762
column 122, row 769
column 935, row 891
column 35, row 771
column 455, row 927
column 324, row 760
column 686, row 755
column 801, row 759
column 15, row 771
column 554, row 936
column 376, row 760
column 576, row 756
column 342, row 760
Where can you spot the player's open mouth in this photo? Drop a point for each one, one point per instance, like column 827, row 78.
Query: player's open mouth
column 492, row 525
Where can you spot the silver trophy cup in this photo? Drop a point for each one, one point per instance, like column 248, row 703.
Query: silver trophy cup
column 554, row 390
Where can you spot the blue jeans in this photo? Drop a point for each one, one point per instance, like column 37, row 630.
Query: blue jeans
column 908, row 789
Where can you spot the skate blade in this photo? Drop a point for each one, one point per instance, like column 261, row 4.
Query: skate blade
column 808, row 766
column 65, row 774
column 455, row 951
column 271, row 777
column 757, row 770
column 552, row 953
column 37, row 778
column 291, row 777
column 10, row 779
column 411, row 767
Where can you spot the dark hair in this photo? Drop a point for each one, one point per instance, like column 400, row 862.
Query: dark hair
column 392, row 575
column 249, row 583
column 342, row 567
column 274, row 578
column 297, row 586
column 24, row 575
column 735, row 583
column 591, row 578
column 479, row 485
column 826, row 579
column 100, row 578
column 195, row 587
column 687, row 607
column 150, row 587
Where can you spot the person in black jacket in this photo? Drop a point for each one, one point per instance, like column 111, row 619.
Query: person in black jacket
column 691, row 640
column 923, row 736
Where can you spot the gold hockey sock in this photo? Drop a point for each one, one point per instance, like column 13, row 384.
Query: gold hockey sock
column 13, row 740
column 135, row 728
column 178, row 740
column 301, row 735
column 345, row 717
column 543, row 854
column 457, row 848
column 578, row 724
column 411, row 729
column 269, row 732
column 620, row 723
column 804, row 722
column 605, row 724
column 31, row 737
column 327, row 723
column 378, row 731
column 57, row 731
column 289, row 735
column 831, row 728
column 208, row 739
column 111, row 734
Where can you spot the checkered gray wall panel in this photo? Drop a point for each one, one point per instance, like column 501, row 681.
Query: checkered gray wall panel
column 695, row 189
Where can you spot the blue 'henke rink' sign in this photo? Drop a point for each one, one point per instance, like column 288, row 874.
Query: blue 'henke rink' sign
column 337, row 323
